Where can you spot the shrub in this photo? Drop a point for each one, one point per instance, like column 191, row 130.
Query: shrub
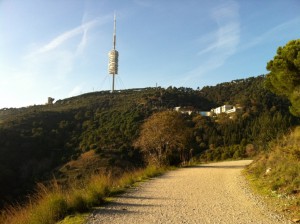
column 53, row 203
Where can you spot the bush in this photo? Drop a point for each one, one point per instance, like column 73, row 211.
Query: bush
column 52, row 203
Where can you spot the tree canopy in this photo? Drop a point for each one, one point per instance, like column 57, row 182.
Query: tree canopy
column 284, row 76
column 163, row 135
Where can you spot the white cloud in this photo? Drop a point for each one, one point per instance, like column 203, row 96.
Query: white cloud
column 60, row 40
column 278, row 32
column 83, row 42
column 219, row 44
column 226, row 37
column 66, row 36
column 57, row 41
column 55, row 60
column 44, row 71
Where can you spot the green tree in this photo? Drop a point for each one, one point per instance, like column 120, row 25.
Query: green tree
column 284, row 76
column 163, row 136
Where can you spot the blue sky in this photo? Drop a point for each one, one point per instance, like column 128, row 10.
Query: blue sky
column 59, row 48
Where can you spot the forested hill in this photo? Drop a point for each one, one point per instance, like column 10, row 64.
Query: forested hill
column 94, row 132
column 37, row 141
column 249, row 93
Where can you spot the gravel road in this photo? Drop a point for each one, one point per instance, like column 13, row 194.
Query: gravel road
column 211, row 193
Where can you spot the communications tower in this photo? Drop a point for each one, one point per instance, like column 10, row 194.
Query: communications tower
column 113, row 56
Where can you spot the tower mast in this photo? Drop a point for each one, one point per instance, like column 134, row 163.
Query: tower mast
column 114, row 37
column 113, row 58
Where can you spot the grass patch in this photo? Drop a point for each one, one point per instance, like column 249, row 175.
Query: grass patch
column 128, row 179
column 51, row 204
column 74, row 219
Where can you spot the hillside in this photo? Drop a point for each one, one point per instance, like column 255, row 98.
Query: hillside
column 94, row 132
column 36, row 141
column 275, row 173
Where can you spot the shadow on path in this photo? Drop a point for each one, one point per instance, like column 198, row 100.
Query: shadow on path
column 216, row 166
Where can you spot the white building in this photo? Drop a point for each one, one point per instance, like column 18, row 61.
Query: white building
column 228, row 109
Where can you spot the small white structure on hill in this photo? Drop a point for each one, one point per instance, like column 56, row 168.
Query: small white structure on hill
column 228, row 109
column 186, row 110
column 224, row 109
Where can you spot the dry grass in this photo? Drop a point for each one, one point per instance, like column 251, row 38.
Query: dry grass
column 277, row 173
column 46, row 206
column 51, row 204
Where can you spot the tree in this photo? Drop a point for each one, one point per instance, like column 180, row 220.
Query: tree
column 164, row 137
column 284, row 76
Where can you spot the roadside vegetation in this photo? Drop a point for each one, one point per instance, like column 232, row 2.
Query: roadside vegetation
column 276, row 172
column 52, row 203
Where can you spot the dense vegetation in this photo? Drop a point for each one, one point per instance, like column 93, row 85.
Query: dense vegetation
column 277, row 170
column 284, row 76
column 95, row 132
column 35, row 142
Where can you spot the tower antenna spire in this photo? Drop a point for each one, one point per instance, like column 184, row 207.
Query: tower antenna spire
column 113, row 56
column 114, row 36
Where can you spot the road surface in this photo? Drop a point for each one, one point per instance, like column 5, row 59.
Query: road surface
column 211, row 193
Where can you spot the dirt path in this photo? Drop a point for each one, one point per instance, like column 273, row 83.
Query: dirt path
column 212, row 193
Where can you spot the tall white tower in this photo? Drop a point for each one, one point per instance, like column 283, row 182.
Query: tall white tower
column 113, row 56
